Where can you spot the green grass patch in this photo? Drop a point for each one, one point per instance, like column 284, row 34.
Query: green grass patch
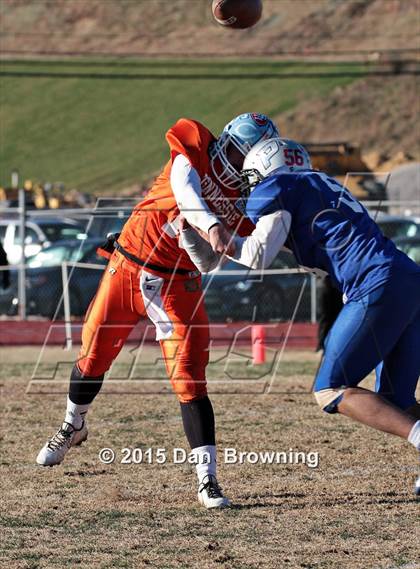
column 99, row 126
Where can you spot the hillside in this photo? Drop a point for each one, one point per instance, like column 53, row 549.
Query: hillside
column 98, row 127
column 97, row 123
column 380, row 114
column 186, row 26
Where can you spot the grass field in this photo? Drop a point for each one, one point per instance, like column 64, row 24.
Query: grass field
column 354, row 511
column 100, row 126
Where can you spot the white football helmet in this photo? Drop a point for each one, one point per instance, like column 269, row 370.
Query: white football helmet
column 270, row 156
column 243, row 132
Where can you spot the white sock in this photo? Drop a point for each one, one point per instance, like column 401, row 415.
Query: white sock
column 205, row 460
column 75, row 414
column 414, row 436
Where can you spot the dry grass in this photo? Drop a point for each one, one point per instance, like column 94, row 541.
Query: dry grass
column 354, row 511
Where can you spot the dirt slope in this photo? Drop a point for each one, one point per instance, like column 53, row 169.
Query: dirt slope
column 380, row 114
column 186, row 26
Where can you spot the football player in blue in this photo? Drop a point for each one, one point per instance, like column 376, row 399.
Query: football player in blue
column 328, row 230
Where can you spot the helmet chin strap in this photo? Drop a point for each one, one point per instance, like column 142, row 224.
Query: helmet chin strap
column 251, row 178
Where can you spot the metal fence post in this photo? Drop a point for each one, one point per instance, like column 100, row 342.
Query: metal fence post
column 66, row 304
column 22, row 270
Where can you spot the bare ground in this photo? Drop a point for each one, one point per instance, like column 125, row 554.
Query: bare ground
column 354, row 511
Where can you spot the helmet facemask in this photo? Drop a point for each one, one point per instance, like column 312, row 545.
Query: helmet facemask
column 222, row 169
column 228, row 152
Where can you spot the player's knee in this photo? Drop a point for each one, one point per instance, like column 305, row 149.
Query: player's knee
column 188, row 397
column 94, row 367
column 329, row 398
column 188, row 391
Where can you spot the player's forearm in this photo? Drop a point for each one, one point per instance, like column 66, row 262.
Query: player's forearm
column 199, row 250
column 260, row 249
column 186, row 186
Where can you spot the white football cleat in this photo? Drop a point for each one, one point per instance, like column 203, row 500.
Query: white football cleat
column 54, row 450
column 210, row 494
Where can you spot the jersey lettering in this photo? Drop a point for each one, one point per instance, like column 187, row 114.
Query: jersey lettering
column 267, row 152
column 293, row 157
column 345, row 196
column 218, row 202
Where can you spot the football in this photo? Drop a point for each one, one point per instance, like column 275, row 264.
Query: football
column 238, row 14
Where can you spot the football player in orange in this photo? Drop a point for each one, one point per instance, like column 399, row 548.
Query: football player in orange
column 149, row 273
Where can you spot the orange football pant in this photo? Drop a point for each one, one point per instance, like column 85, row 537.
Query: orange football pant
column 175, row 305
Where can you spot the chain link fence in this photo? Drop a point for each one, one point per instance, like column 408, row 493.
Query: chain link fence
column 64, row 292
column 62, row 279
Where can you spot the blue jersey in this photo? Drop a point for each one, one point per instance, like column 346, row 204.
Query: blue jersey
column 330, row 230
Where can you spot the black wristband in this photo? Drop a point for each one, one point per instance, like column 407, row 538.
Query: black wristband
column 211, row 226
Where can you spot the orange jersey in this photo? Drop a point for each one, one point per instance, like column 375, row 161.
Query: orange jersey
column 151, row 231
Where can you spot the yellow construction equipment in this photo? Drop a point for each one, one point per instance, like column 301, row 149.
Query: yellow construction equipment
column 344, row 161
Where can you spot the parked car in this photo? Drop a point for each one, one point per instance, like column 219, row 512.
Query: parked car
column 104, row 223
column 395, row 226
column 40, row 232
column 410, row 246
column 262, row 298
column 44, row 283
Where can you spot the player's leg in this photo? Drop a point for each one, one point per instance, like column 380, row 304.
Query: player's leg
column 109, row 320
column 351, row 354
column 365, row 333
column 397, row 376
column 385, row 388
column 394, row 329
column 178, row 311
column 186, row 356
column 373, row 410
column 397, row 379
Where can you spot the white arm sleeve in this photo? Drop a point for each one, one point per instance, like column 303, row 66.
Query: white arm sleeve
column 186, row 186
column 260, row 249
column 200, row 251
